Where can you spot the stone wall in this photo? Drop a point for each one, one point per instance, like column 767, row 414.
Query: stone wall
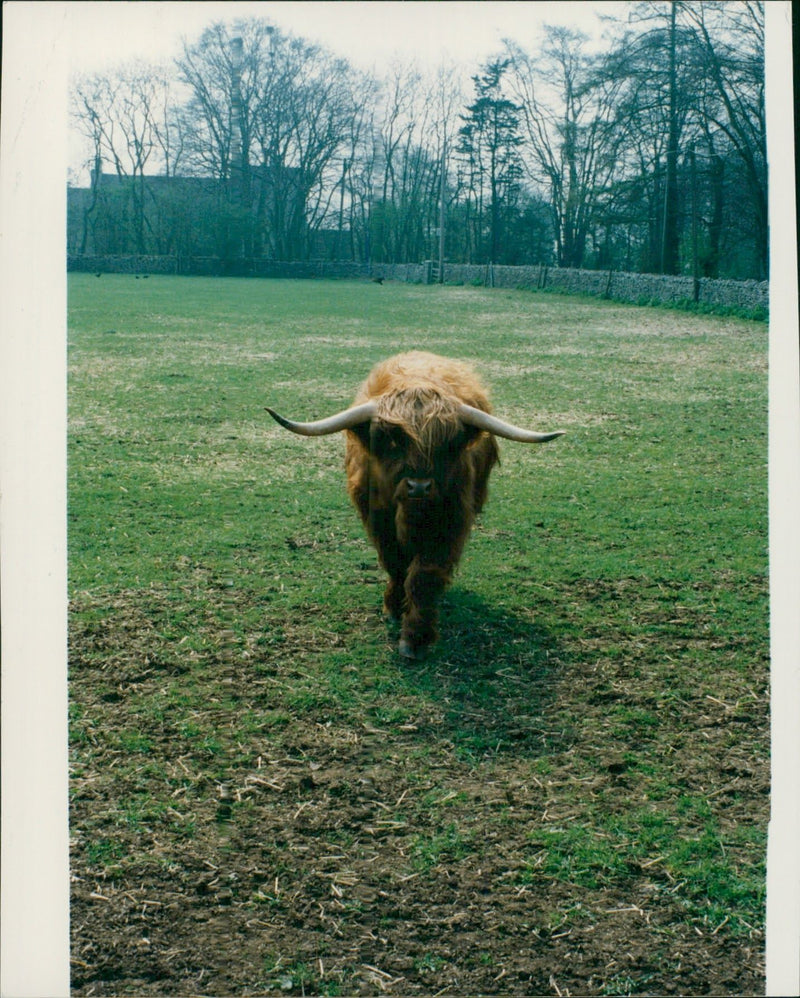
column 123, row 264
column 618, row 286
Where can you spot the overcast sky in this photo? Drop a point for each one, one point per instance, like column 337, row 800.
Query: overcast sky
column 367, row 32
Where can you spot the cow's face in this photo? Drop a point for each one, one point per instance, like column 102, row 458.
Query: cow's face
column 417, row 464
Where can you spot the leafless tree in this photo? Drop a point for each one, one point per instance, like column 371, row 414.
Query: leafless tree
column 270, row 115
column 690, row 102
column 413, row 121
column 730, row 38
column 568, row 108
column 127, row 119
column 647, row 150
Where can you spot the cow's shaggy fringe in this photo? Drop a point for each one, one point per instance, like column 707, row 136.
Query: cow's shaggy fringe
column 421, row 393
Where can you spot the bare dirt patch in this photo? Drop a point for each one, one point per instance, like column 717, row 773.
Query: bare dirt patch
column 237, row 831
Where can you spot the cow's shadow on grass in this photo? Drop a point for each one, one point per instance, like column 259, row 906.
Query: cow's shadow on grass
column 494, row 677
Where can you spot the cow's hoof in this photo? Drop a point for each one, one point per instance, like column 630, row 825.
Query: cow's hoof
column 415, row 652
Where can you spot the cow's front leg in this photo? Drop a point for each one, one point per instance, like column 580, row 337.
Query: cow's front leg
column 424, row 585
column 381, row 529
column 394, row 598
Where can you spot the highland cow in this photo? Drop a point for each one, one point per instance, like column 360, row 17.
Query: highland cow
column 420, row 447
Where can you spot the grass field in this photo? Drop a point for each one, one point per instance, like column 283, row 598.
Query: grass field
column 569, row 795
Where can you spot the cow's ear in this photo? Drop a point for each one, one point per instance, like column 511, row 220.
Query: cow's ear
column 361, row 430
column 472, row 435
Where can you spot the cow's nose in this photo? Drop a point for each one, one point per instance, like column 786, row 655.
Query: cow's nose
column 419, row 488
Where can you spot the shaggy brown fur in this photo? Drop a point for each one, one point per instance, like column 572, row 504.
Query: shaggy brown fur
column 418, row 436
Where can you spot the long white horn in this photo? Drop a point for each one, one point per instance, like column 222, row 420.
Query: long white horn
column 485, row 421
column 344, row 420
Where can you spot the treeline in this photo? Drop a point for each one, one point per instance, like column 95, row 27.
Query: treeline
column 647, row 153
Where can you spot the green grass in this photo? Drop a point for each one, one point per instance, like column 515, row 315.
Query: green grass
column 592, row 727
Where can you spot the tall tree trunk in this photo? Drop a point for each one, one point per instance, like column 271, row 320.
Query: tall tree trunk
column 96, row 174
column 717, row 170
column 669, row 253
